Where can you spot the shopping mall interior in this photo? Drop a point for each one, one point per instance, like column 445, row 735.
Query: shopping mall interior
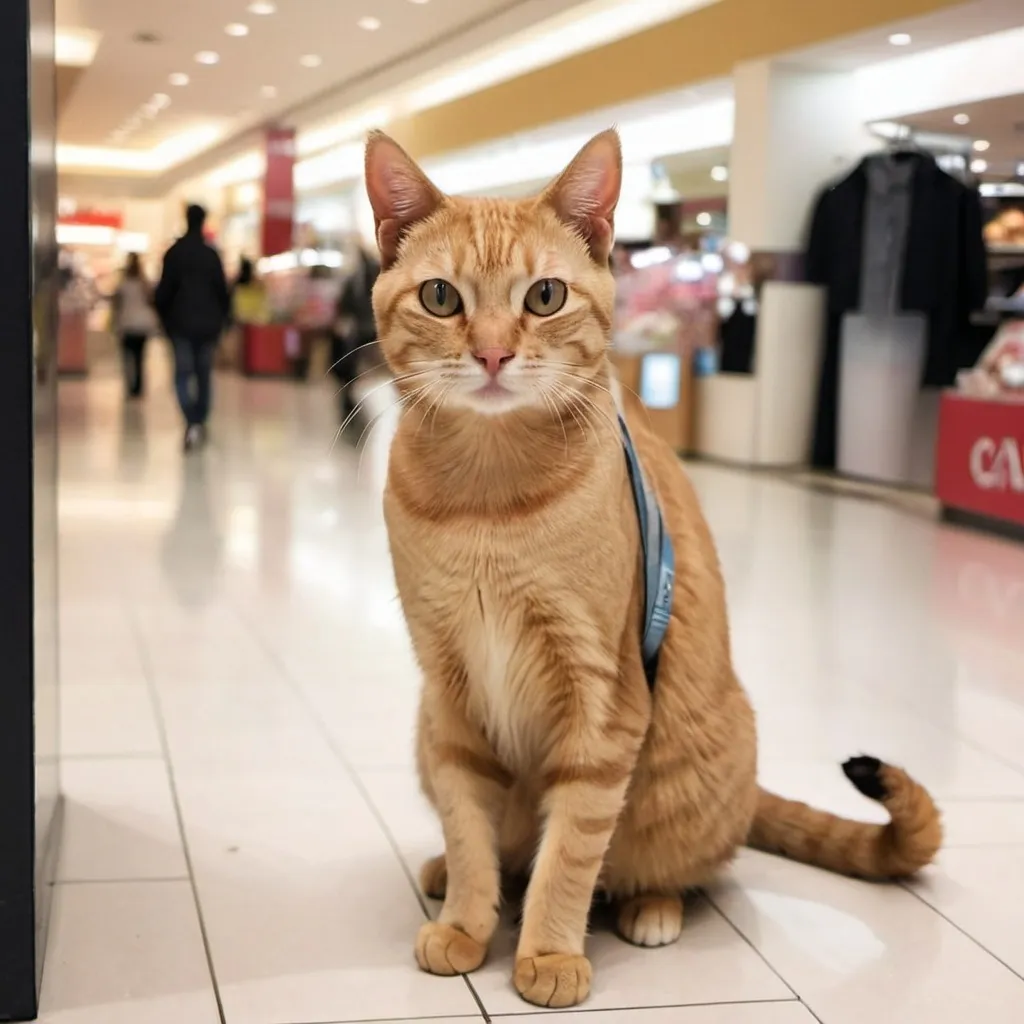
column 239, row 715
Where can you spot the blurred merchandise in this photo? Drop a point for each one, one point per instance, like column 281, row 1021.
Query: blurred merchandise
column 897, row 241
column 1000, row 371
column 665, row 315
column 1006, row 229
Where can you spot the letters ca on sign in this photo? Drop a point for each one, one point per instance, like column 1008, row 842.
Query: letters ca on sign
column 997, row 465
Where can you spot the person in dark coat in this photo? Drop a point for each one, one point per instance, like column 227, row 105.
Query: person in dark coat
column 193, row 302
column 944, row 274
column 354, row 327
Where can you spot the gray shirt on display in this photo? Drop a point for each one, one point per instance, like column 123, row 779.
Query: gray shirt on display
column 886, row 223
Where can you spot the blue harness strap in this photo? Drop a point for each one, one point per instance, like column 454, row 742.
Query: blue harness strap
column 658, row 559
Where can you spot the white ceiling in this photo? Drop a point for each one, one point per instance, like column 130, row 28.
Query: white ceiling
column 228, row 97
column 999, row 122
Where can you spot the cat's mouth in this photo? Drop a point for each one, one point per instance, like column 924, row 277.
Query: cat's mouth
column 492, row 389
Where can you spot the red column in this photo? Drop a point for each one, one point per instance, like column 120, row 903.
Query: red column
column 279, row 191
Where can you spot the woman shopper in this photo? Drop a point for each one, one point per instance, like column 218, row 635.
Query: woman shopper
column 134, row 321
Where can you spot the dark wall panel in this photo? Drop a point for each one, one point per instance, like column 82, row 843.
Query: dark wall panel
column 29, row 776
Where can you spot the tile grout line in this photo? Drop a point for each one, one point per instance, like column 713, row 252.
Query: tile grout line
column 120, row 881
column 963, row 931
column 390, row 1020
column 728, row 920
column 353, row 775
column 154, row 698
column 581, row 1011
column 540, row 1012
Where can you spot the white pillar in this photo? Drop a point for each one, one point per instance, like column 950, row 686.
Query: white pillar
column 794, row 131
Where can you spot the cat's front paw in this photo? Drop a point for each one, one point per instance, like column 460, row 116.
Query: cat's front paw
column 556, row 980
column 434, row 877
column 444, row 949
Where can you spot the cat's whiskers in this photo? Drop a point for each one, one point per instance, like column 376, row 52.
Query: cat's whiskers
column 601, row 414
column 380, row 418
column 568, row 396
column 348, row 355
column 355, row 412
column 379, row 366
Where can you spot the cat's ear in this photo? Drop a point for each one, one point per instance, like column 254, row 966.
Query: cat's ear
column 399, row 192
column 585, row 194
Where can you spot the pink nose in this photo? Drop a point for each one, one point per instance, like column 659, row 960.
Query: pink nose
column 493, row 359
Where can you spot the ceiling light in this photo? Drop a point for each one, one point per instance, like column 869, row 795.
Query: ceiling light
column 419, row 1
column 207, row 57
column 369, row 24
column 980, row 145
column 74, row 47
column 961, row 118
column 160, row 100
column 900, row 39
column 178, row 78
column 268, row 91
column 262, row 7
column 704, row 219
column 310, row 60
column 236, row 28
column 720, row 173
column 979, row 166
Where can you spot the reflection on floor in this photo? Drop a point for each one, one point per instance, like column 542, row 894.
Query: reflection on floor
column 243, row 822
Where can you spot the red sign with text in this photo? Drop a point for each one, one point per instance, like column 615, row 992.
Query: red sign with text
column 279, row 192
column 980, row 460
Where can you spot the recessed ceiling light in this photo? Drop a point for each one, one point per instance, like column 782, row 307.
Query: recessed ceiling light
column 900, row 39
column 979, row 166
column 720, row 173
column 311, row 60
column 980, row 145
column 160, row 100
column 419, row 1
column 369, row 24
column 262, row 7
column 236, row 28
column 961, row 118
column 268, row 91
column 178, row 78
column 207, row 57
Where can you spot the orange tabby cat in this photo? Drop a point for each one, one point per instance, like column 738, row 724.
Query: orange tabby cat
column 516, row 548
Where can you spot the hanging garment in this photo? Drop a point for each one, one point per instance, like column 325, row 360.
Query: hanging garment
column 942, row 272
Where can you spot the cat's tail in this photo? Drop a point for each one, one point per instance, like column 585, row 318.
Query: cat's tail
column 906, row 844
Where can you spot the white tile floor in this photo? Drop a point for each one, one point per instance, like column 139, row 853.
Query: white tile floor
column 243, row 822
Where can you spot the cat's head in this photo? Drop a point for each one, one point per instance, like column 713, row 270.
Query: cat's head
column 495, row 305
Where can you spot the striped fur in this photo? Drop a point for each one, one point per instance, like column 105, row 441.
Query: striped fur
column 516, row 552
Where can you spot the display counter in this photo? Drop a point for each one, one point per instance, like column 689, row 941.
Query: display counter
column 663, row 382
column 71, row 343
column 979, row 473
column 269, row 350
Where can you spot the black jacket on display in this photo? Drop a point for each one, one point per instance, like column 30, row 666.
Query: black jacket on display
column 192, row 297
column 944, row 274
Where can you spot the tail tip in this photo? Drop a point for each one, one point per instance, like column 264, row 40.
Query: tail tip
column 866, row 774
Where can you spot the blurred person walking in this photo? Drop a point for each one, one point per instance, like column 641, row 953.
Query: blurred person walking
column 134, row 321
column 194, row 303
column 354, row 326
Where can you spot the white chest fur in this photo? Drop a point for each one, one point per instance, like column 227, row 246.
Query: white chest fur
column 497, row 663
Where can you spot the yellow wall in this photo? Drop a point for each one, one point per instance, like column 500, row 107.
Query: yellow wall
column 695, row 47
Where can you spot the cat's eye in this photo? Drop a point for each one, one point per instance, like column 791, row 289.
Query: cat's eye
column 546, row 296
column 439, row 298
